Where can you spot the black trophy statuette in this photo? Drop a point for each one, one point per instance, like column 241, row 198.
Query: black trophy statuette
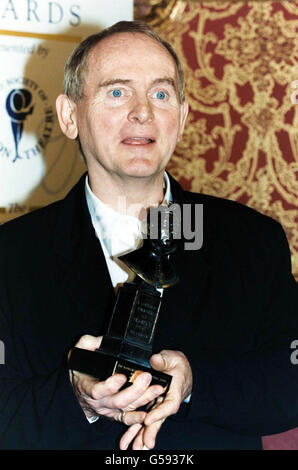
column 127, row 346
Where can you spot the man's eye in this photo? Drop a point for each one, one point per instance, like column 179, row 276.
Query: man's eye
column 117, row 93
column 160, row 95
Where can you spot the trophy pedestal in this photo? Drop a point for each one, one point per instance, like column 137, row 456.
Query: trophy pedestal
column 127, row 346
column 102, row 366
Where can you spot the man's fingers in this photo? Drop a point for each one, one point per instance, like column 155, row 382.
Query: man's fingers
column 89, row 342
column 138, row 443
column 177, row 365
column 161, row 412
column 149, row 396
column 107, row 388
column 131, row 394
column 106, row 398
column 129, row 435
column 133, row 417
column 93, row 389
column 168, row 407
column 149, row 434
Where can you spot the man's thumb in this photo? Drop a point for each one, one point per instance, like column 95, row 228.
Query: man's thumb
column 89, row 342
column 159, row 361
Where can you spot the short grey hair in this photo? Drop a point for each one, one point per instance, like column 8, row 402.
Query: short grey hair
column 75, row 66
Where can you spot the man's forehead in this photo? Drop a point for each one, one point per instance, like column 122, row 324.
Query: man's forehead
column 124, row 45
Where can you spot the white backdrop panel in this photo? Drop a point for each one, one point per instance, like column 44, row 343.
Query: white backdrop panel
column 37, row 163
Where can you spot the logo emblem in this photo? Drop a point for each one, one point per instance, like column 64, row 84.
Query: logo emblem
column 18, row 108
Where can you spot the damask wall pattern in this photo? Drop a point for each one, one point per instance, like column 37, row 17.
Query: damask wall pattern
column 241, row 67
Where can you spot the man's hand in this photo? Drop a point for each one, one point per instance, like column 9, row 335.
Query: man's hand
column 175, row 364
column 104, row 398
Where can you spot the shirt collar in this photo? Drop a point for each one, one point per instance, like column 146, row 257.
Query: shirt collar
column 119, row 233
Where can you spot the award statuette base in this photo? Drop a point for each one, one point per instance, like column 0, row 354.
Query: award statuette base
column 102, row 366
column 127, row 346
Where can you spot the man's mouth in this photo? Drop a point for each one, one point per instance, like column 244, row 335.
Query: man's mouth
column 137, row 141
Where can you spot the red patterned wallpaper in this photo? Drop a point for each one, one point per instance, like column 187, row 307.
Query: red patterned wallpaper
column 241, row 138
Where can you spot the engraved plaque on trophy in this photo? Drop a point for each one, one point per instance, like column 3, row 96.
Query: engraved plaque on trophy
column 127, row 346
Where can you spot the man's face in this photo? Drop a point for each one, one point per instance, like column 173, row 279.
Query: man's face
column 130, row 118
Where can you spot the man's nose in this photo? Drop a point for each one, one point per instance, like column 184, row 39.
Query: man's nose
column 141, row 111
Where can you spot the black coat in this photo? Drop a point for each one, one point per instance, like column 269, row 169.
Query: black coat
column 234, row 314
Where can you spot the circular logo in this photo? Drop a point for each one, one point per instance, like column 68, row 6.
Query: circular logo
column 29, row 119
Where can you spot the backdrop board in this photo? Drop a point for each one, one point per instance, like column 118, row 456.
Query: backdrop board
column 37, row 163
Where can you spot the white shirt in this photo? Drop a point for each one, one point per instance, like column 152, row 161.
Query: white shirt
column 118, row 233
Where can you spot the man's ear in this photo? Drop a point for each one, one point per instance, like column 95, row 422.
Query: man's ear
column 66, row 112
column 183, row 116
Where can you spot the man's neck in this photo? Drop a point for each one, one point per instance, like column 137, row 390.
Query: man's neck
column 131, row 196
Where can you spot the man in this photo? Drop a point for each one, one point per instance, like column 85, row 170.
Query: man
column 224, row 332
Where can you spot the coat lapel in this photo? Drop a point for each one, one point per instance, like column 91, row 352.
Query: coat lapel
column 81, row 265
